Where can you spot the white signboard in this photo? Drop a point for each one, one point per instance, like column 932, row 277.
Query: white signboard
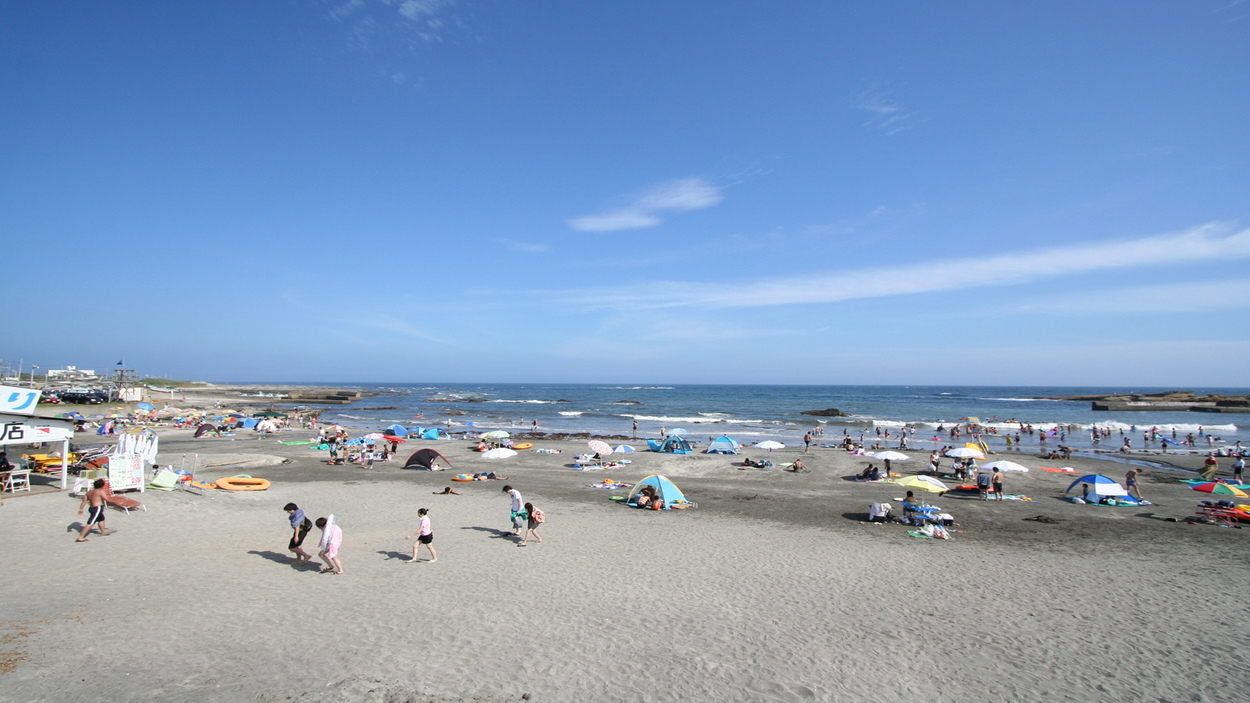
column 15, row 429
column 126, row 472
column 18, row 400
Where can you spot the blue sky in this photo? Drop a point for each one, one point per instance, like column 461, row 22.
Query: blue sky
column 720, row 192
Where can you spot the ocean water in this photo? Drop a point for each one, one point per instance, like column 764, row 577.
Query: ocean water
column 751, row 413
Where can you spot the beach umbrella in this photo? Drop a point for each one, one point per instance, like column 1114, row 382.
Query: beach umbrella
column 1218, row 488
column 599, row 447
column 889, row 455
column 497, row 434
column 678, row 431
column 622, row 448
column 143, row 406
column 374, row 435
column 500, row 453
column 770, row 445
column 965, row 453
column 1004, row 465
column 393, row 438
column 923, row 483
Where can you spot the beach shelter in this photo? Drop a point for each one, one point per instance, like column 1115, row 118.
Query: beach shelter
column 1099, row 486
column 622, row 449
column 144, row 407
column 247, row 423
column 205, row 429
column 431, row 433
column 425, row 459
column 723, row 445
column 397, row 430
column 675, row 445
column 664, row 488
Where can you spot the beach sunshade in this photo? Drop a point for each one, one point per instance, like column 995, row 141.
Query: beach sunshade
column 205, row 429
column 966, row 453
column 891, row 456
column 144, row 406
column 396, row 430
column 665, row 489
column 424, row 458
column 599, row 447
column 622, row 448
column 393, row 438
column 374, row 435
column 500, row 453
column 723, row 445
column 923, row 483
column 496, row 434
column 675, row 444
column 770, row 445
column 678, row 431
column 1004, row 465
column 1099, row 485
column 1218, row 488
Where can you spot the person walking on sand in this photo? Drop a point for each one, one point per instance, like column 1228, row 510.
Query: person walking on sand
column 330, row 554
column 95, row 518
column 997, row 482
column 300, row 526
column 535, row 518
column 807, row 442
column 1211, row 466
column 1239, row 467
column 1130, row 481
column 518, row 509
column 424, row 535
column 983, row 485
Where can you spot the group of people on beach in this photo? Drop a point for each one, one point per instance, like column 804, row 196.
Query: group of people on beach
column 330, row 542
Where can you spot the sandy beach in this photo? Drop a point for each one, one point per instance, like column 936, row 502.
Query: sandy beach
column 773, row 588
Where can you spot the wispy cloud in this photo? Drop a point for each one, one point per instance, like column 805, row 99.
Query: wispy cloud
column 524, row 247
column 1204, row 243
column 1192, row 297
column 645, row 210
column 429, row 20
column 885, row 113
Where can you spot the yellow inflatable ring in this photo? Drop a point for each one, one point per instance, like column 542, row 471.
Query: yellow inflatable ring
column 234, row 483
column 203, row 484
column 523, row 445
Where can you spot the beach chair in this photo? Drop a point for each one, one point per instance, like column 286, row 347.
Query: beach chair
column 920, row 514
column 122, row 503
column 17, row 480
column 1220, row 513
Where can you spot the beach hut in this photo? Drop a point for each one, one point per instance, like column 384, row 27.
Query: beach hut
column 665, row 489
column 675, row 445
column 723, row 445
column 425, row 459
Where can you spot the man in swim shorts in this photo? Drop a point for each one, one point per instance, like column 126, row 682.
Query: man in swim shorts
column 300, row 526
column 1130, row 482
column 95, row 497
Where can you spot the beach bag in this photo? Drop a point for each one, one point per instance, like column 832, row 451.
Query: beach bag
column 539, row 516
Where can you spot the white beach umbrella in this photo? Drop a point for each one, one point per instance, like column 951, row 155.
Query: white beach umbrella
column 500, row 453
column 1003, row 466
column 622, row 448
column 678, row 431
column 890, row 455
column 770, row 445
column 965, row 453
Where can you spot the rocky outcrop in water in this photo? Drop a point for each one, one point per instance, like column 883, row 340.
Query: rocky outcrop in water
column 827, row 412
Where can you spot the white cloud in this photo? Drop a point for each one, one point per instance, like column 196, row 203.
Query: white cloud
column 1177, row 298
column 885, row 113
column 672, row 196
column 347, row 8
column 1204, row 243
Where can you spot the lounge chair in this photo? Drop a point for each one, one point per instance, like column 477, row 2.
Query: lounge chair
column 122, row 503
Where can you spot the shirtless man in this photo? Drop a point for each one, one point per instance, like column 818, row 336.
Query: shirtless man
column 95, row 497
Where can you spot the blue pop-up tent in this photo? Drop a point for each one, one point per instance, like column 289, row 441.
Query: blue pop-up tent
column 397, row 430
column 665, row 490
column 431, row 433
column 675, row 445
column 723, row 445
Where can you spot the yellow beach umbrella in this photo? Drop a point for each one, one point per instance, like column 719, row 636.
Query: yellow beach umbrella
column 923, row 483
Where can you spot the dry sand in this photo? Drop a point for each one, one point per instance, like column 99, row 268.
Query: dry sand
column 772, row 589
